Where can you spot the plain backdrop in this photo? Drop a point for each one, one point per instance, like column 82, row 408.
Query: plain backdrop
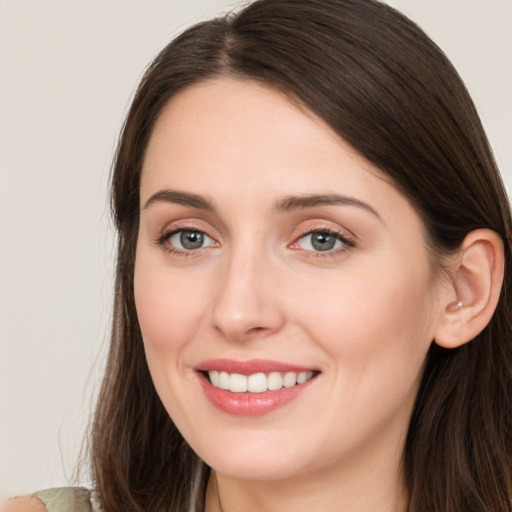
column 67, row 72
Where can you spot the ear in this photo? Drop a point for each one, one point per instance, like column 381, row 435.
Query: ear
column 476, row 279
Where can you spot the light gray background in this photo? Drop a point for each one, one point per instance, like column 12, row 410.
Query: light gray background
column 67, row 72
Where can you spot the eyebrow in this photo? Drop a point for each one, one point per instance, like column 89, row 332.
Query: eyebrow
column 287, row 204
column 183, row 198
column 302, row 202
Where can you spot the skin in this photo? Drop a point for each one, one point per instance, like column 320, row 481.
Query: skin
column 363, row 314
column 23, row 504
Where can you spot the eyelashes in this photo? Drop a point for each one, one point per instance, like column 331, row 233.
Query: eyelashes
column 185, row 241
column 322, row 242
column 312, row 242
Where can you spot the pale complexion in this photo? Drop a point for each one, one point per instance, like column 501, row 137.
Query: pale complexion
column 361, row 307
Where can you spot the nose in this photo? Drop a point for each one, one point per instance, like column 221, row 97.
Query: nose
column 247, row 302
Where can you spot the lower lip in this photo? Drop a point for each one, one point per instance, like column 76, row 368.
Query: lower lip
column 251, row 404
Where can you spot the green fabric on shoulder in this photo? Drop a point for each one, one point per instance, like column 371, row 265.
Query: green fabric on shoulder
column 66, row 499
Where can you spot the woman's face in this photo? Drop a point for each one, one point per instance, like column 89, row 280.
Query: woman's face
column 275, row 261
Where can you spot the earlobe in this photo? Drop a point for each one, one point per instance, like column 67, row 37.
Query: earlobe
column 477, row 277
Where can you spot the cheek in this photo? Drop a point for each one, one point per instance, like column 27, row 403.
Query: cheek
column 375, row 325
column 169, row 308
column 377, row 336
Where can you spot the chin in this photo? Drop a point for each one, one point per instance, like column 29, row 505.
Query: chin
column 262, row 470
column 255, row 459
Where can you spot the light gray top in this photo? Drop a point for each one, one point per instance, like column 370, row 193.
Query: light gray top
column 69, row 499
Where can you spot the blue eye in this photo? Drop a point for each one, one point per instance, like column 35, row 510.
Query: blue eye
column 322, row 241
column 188, row 239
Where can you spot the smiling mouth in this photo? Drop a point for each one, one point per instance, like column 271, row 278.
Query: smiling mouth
column 257, row 382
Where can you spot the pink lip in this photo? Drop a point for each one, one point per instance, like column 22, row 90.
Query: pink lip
column 250, row 404
column 249, row 367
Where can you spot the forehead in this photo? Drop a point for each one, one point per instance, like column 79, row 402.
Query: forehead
column 244, row 125
column 238, row 112
column 231, row 139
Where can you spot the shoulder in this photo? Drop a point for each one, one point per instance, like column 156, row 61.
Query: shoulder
column 23, row 504
column 62, row 499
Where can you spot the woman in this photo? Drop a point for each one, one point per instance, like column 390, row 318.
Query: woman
column 311, row 293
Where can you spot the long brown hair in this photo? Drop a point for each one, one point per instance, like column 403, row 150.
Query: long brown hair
column 388, row 90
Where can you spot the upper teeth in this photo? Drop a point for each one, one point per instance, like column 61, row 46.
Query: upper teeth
column 257, row 382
